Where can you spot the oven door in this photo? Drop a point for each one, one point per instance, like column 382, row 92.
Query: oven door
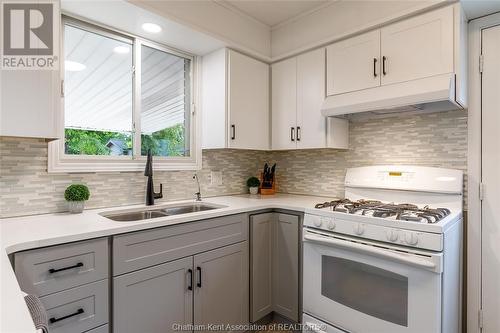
column 365, row 287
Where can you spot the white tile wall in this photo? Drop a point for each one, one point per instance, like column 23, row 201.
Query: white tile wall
column 438, row 139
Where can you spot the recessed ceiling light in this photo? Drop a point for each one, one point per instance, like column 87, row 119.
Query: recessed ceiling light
column 73, row 66
column 121, row 49
column 151, row 27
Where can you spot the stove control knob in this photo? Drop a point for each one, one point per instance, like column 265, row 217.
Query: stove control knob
column 411, row 238
column 392, row 235
column 331, row 225
column 318, row 222
column 359, row 229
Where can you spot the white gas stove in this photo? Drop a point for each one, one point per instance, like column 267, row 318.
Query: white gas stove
column 375, row 261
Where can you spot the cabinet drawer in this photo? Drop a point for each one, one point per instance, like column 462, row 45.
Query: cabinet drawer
column 146, row 248
column 100, row 329
column 79, row 309
column 47, row 270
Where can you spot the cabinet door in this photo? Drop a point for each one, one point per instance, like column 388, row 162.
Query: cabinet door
column 248, row 102
column 221, row 286
column 30, row 103
column 286, row 266
column 418, row 47
column 261, row 265
column 153, row 299
column 353, row 64
column 284, row 104
column 311, row 124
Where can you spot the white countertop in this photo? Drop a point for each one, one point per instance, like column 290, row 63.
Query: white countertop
column 23, row 233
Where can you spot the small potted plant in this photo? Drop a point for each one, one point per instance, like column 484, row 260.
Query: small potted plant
column 76, row 195
column 253, row 184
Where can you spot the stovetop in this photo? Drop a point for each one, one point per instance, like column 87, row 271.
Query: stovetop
column 400, row 212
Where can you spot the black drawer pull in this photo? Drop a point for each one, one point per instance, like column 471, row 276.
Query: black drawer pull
column 53, row 270
column 292, row 133
column 384, row 59
column 233, row 132
column 374, row 67
column 190, row 285
column 55, row 320
column 198, row 284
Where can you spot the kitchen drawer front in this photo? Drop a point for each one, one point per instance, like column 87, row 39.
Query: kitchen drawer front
column 147, row 248
column 92, row 298
column 100, row 329
column 74, row 264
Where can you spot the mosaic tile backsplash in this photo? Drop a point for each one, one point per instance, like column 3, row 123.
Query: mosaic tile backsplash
column 438, row 139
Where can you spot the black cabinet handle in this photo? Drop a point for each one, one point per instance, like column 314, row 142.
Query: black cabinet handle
column 374, row 67
column 55, row 320
column 198, row 284
column 384, row 59
column 53, row 270
column 298, row 133
column 292, row 133
column 190, row 285
column 233, row 132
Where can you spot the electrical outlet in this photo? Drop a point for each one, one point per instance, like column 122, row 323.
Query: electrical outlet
column 216, row 178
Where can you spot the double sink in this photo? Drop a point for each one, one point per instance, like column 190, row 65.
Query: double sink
column 146, row 214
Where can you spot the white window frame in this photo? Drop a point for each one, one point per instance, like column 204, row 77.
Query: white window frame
column 59, row 162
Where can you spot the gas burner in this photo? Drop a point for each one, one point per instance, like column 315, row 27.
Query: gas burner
column 374, row 208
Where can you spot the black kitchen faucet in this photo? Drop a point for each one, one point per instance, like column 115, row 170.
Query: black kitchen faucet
column 150, row 192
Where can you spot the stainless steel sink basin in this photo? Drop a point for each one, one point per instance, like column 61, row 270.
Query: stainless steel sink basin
column 136, row 216
column 187, row 209
column 127, row 216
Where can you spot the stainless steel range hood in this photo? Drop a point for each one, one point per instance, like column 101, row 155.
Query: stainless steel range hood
column 436, row 93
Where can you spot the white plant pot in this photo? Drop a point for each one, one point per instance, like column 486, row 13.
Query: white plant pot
column 76, row 207
column 253, row 190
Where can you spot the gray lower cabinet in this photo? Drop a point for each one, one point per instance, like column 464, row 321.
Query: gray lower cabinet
column 261, row 270
column 286, row 265
column 222, row 290
column 72, row 283
column 275, row 265
column 78, row 309
column 154, row 299
column 211, row 288
column 100, row 329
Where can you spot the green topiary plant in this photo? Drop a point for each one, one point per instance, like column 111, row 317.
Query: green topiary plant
column 253, row 182
column 77, row 192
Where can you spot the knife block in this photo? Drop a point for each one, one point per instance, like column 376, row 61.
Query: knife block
column 267, row 191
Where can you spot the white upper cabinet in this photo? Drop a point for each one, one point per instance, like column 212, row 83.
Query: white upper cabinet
column 235, row 101
column 298, row 91
column 311, row 124
column 418, row 47
column 248, row 102
column 353, row 64
column 30, row 103
column 284, row 104
column 30, row 99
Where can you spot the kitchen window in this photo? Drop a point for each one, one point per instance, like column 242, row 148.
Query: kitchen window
column 122, row 96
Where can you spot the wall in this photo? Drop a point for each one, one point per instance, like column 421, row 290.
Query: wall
column 438, row 139
column 339, row 20
column 26, row 187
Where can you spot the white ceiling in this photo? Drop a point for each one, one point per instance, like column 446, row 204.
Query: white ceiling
column 274, row 12
column 131, row 17
column 478, row 8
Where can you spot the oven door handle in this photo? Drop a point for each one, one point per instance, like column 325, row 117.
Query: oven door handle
column 374, row 251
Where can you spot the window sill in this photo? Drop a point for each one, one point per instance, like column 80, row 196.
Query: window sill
column 75, row 164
